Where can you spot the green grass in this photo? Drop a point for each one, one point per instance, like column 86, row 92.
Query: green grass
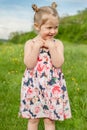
column 11, row 71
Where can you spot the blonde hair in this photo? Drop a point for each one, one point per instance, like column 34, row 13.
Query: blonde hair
column 42, row 14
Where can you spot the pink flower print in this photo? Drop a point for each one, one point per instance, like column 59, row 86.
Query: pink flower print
column 31, row 73
column 56, row 91
column 29, row 91
column 37, row 109
column 40, row 68
column 56, row 88
column 39, row 59
column 51, row 106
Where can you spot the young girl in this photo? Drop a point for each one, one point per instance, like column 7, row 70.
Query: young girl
column 43, row 93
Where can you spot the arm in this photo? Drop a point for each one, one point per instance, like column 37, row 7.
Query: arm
column 57, row 53
column 31, row 51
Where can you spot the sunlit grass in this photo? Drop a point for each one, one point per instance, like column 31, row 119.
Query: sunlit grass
column 11, row 72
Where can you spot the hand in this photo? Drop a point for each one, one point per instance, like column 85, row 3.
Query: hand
column 49, row 44
column 39, row 42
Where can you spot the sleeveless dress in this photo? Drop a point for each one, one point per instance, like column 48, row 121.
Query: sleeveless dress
column 43, row 91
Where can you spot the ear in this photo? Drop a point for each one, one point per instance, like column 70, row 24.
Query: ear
column 36, row 26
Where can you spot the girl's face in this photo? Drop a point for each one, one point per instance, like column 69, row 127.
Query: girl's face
column 49, row 29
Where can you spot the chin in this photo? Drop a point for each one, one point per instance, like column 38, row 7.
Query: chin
column 49, row 38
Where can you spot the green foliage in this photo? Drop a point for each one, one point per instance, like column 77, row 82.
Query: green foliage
column 21, row 38
column 11, row 72
column 74, row 28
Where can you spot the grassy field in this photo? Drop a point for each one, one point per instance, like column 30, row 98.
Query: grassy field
column 11, row 71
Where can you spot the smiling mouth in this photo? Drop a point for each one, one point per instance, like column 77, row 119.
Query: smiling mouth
column 50, row 35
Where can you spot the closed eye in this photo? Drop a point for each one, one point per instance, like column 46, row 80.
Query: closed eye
column 49, row 27
column 56, row 27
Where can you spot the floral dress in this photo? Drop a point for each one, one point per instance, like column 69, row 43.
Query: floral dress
column 43, row 91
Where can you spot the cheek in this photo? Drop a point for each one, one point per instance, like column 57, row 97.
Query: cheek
column 56, row 31
column 45, row 32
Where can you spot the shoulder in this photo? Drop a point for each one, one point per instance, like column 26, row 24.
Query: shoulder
column 28, row 44
column 59, row 44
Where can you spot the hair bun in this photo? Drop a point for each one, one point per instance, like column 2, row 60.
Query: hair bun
column 35, row 8
column 54, row 5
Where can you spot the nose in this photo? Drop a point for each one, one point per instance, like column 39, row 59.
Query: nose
column 52, row 31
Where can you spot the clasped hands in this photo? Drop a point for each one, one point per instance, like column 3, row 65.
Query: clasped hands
column 46, row 43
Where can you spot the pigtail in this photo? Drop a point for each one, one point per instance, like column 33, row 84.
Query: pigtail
column 54, row 5
column 35, row 8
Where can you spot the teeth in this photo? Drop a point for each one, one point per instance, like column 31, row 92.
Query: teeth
column 50, row 35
